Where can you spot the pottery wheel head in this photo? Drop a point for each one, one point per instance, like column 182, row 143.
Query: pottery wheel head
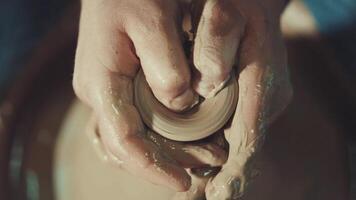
column 202, row 120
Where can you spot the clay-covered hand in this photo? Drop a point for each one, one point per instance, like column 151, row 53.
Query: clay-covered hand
column 116, row 38
column 246, row 34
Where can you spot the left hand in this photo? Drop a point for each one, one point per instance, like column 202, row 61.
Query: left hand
column 244, row 33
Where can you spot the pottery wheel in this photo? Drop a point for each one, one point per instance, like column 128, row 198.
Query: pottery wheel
column 204, row 119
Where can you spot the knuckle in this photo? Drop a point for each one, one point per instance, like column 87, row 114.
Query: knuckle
column 160, row 18
column 223, row 16
column 220, row 11
column 174, row 86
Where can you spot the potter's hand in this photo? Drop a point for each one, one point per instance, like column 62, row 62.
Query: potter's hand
column 115, row 39
column 264, row 88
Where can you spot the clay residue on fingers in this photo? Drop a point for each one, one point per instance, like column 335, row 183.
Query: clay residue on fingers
column 209, row 89
column 190, row 155
column 225, row 186
column 102, row 152
column 218, row 88
column 200, row 178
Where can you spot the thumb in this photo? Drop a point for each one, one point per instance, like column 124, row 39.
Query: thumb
column 231, row 182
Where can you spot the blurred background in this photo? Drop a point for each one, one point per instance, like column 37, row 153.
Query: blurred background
column 310, row 153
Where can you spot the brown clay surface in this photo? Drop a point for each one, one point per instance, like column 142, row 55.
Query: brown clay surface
column 199, row 122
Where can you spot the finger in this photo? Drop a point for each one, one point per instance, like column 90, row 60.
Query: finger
column 216, row 43
column 158, row 45
column 261, row 61
column 104, row 81
column 124, row 136
column 94, row 137
column 196, row 191
column 191, row 155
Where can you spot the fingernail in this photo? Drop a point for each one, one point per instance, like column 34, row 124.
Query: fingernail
column 185, row 101
column 209, row 93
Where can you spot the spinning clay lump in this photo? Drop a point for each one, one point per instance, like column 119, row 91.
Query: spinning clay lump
column 201, row 121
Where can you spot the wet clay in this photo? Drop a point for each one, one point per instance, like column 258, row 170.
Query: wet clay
column 204, row 119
